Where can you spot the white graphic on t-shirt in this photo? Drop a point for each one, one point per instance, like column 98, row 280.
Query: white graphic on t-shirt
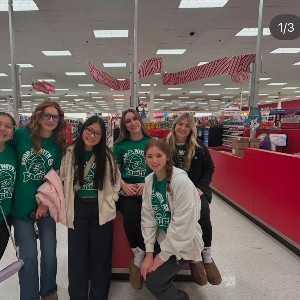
column 135, row 163
column 7, row 178
column 160, row 209
column 36, row 164
column 88, row 183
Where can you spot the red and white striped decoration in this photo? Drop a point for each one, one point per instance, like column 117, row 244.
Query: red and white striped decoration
column 150, row 67
column 238, row 67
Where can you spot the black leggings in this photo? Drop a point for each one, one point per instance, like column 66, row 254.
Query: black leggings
column 4, row 235
column 130, row 208
column 205, row 222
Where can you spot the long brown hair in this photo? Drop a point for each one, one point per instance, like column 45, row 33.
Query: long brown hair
column 124, row 133
column 164, row 147
column 34, row 126
column 190, row 143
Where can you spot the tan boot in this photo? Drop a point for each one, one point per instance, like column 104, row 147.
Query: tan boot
column 198, row 273
column 213, row 274
column 51, row 297
column 135, row 278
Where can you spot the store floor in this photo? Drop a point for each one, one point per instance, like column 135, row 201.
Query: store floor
column 253, row 265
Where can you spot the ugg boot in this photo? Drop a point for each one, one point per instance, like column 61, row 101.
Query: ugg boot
column 212, row 272
column 51, row 297
column 198, row 273
column 135, row 278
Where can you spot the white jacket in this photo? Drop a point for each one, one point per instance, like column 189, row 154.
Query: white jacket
column 184, row 235
column 106, row 198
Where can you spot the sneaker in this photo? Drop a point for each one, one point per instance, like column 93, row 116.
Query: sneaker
column 213, row 274
column 198, row 273
column 135, row 278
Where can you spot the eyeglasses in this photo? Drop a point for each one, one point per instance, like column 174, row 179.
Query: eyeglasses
column 90, row 131
column 47, row 116
column 7, row 126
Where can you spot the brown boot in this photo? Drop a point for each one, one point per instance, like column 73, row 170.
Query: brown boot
column 51, row 297
column 198, row 273
column 135, row 278
column 213, row 274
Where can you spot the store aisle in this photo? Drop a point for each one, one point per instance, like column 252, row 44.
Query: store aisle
column 253, row 265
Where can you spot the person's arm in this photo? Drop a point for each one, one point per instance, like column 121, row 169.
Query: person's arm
column 182, row 227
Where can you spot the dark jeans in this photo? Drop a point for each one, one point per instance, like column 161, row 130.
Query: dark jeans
column 160, row 283
column 4, row 235
column 89, row 253
column 130, row 208
column 205, row 222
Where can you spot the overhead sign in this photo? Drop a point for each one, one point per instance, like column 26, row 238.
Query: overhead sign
column 254, row 118
column 44, row 87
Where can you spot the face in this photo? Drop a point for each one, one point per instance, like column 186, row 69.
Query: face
column 6, row 129
column 182, row 130
column 91, row 136
column 132, row 123
column 156, row 159
column 50, row 119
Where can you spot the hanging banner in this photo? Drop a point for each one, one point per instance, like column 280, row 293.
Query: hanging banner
column 44, row 87
column 254, row 118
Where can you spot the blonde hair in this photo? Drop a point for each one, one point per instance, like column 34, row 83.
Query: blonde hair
column 124, row 133
column 190, row 143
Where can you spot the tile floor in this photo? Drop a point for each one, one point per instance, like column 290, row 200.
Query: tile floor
column 254, row 266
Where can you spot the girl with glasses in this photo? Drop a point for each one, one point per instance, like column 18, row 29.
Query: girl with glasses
column 39, row 148
column 190, row 154
column 91, row 182
column 129, row 153
column 8, row 163
column 170, row 211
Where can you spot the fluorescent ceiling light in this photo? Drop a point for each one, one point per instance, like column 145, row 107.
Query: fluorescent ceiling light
column 114, row 65
column 252, row 32
column 195, row 92
column 174, row 89
column 213, row 94
column 277, row 83
column 97, row 98
column 100, row 101
column 286, row 50
column 48, row 80
column 214, row 100
column 190, row 102
column 272, row 97
column 159, row 99
column 85, row 84
column 269, row 101
column 236, row 88
column 164, row 95
column 202, row 3
column 184, row 97
column 201, row 63
column 24, row 65
column 26, row 95
column 26, row 85
column 290, row 88
column 19, row 5
column 92, row 92
column 3, row 74
column 110, row 33
column 118, row 95
column 71, row 95
column 57, row 53
column 263, row 94
column 144, row 92
column 297, row 63
column 61, row 89
column 170, row 51
column 147, row 84
column 53, row 97
column 6, row 90
column 265, row 78
column 75, row 73
column 212, row 84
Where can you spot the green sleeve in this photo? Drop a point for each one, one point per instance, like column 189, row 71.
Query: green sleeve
column 57, row 162
column 117, row 154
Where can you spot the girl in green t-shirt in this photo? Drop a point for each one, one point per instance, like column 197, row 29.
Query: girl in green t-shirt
column 129, row 153
column 39, row 148
column 8, row 163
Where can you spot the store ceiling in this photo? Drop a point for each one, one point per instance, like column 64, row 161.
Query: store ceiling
column 69, row 25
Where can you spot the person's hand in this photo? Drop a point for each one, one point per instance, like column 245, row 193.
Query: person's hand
column 41, row 211
column 146, row 265
column 200, row 192
column 157, row 262
column 129, row 189
column 139, row 189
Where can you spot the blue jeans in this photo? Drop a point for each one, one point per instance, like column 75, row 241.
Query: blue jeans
column 28, row 275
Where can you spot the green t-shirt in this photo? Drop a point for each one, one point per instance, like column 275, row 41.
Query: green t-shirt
column 181, row 152
column 131, row 159
column 160, row 205
column 8, row 163
column 31, row 170
column 87, row 189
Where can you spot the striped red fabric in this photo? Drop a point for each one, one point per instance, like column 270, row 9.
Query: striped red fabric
column 150, row 67
column 238, row 67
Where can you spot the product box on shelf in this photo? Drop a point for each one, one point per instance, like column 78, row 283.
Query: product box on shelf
column 241, row 143
column 238, row 152
column 254, row 143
